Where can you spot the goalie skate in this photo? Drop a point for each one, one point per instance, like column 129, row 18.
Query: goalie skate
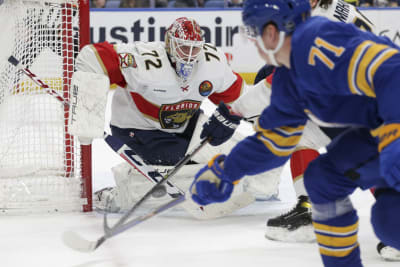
column 293, row 226
column 109, row 200
column 105, row 200
column 388, row 253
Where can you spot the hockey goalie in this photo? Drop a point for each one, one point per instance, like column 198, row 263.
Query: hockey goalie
column 156, row 110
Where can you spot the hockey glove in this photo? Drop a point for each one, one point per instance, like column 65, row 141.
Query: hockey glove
column 220, row 126
column 211, row 184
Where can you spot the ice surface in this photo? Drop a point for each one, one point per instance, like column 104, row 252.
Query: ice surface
column 172, row 239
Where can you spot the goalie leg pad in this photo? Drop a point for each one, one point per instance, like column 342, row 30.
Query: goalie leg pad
column 265, row 185
column 131, row 186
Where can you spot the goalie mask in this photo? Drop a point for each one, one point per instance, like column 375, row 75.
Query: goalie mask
column 184, row 43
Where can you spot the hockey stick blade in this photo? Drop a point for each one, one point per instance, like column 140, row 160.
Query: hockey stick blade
column 78, row 243
column 127, row 225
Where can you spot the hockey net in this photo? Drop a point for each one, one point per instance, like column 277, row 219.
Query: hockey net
column 42, row 167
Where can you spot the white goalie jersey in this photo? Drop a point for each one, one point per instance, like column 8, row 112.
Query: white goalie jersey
column 150, row 94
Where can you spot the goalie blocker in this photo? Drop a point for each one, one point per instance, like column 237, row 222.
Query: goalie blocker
column 88, row 105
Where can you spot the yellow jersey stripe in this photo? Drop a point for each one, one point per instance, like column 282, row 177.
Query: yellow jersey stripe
column 335, row 230
column 280, row 152
column 337, row 252
column 290, row 130
column 378, row 62
column 282, row 141
column 375, row 132
column 287, row 130
column 355, row 59
column 388, row 134
column 362, row 83
column 336, row 241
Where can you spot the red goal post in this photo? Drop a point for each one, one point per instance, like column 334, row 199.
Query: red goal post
column 42, row 166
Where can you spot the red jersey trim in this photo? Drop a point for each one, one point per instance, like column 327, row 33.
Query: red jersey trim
column 150, row 110
column 268, row 79
column 108, row 59
column 229, row 95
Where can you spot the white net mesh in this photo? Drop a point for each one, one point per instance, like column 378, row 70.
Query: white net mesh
column 39, row 161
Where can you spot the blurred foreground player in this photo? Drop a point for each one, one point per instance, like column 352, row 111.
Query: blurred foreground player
column 296, row 225
column 337, row 76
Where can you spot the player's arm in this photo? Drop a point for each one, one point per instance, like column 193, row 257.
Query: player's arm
column 101, row 58
column 278, row 131
column 223, row 122
column 97, row 66
column 256, row 98
column 267, row 149
column 386, row 90
column 232, row 86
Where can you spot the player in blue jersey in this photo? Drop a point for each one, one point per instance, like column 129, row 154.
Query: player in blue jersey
column 336, row 75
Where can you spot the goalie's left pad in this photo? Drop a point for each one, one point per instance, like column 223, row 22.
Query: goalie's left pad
column 88, row 104
column 211, row 184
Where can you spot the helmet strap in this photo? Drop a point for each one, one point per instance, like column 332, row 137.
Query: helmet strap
column 271, row 53
column 184, row 70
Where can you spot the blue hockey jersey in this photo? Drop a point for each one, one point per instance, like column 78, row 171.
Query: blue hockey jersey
column 338, row 76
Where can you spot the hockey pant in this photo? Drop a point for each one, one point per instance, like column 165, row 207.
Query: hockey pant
column 351, row 161
column 157, row 147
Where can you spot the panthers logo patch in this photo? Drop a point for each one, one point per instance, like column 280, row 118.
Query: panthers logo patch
column 174, row 116
column 205, row 88
column 127, row 60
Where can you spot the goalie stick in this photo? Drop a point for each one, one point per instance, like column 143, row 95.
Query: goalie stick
column 76, row 242
column 130, row 156
column 36, row 80
column 199, row 212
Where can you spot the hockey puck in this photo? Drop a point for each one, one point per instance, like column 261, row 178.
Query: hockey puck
column 159, row 191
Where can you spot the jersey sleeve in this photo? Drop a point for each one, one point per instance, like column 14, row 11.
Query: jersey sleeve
column 253, row 101
column 386, row 90
column 233, row 84
column 278, row 131
column 102, row 58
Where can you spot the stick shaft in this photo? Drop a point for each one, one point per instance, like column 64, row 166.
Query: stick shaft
column 130, row 156
column 170, row 174
column 36, row 80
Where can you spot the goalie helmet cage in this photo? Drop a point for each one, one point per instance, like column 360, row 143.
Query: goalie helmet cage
column 42, row 167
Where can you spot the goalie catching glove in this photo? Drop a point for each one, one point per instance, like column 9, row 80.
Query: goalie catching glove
column 211, row 184
column 220, row 126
